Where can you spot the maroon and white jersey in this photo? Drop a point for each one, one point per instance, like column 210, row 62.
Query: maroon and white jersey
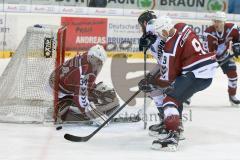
column 77, row 78
column 183, row 53
column 219, row 42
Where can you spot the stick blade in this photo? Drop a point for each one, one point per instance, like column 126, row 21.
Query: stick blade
column 75, row 138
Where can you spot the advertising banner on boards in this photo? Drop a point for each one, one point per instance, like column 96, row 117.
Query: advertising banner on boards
column 175, row 5
column 117, row 34
column 82, row 32
column 123, row 35
column 114, row 7
column 194, row 5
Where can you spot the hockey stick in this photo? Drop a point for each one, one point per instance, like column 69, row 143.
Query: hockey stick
column 145, row 94
column 86, row 138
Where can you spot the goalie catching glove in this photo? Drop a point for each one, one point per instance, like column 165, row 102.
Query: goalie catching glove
column 104, row 98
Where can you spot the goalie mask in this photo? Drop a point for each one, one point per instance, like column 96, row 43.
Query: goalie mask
column 98, row 52
column 97, row 56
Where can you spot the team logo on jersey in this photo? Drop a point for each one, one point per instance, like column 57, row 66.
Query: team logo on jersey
column 217, row 5
column 146, row 4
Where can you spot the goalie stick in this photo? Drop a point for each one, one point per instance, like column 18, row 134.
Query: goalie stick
column 131, row 119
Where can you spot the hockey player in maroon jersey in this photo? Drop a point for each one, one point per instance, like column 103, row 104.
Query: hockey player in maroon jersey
column 185, row 70
column 156, row 130
column 77, row 83
column 217, row 39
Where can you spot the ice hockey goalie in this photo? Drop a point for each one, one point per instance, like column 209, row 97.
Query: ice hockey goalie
column 79, row 97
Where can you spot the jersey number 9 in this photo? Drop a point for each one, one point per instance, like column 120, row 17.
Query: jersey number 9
column 198, row 47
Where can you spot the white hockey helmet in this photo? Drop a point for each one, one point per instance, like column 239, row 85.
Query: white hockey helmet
column 220, row 16
column 156, row 26
column 98, row 52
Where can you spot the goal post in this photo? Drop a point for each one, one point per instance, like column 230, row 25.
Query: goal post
column 25, row 94
column 59, row 60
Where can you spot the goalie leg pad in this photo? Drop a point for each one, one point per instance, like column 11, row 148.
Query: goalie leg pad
column 68, row 110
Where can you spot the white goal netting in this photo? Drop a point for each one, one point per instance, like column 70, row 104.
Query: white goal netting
column 24, row 93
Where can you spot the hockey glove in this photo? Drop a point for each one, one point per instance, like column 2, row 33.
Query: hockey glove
column 146, row 40
column 236, row 49
column 145, row 86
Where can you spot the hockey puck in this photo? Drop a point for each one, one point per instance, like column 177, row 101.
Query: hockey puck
column 58, row 127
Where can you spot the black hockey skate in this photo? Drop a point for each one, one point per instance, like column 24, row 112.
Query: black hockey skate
column 159, row 131
column 234, row 101
column 170, row 143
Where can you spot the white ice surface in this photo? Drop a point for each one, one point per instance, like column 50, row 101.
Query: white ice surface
column 212, row 133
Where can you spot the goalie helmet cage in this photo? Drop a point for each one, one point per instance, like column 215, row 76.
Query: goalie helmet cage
column 25, row 94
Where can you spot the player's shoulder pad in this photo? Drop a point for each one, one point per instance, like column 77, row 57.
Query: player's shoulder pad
column 180, row 26
column 230, row 25
column 185, row 32
column 210, row 29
